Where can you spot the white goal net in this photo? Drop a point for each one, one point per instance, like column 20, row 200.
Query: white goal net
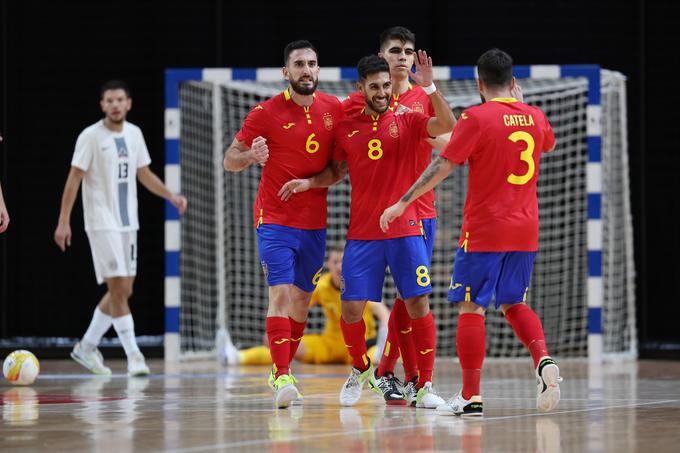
column 222, row 285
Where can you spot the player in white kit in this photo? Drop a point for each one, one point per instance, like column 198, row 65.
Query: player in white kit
column 110, row 156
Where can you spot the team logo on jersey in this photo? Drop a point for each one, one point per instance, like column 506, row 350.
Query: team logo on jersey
column 412, row 222
column 394, row 130
column 353, row 133
column 258, row 107
column 328, row 121
column 464, row 116
column 265, row 269
column 288, row 126
column 418, row 107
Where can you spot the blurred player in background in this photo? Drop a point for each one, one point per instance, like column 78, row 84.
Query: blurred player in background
column 4, row 215
column 397, row 47
column 502, row 140
column 291, row 136
column 329, row 346
column 110, row 156
column 380, row 151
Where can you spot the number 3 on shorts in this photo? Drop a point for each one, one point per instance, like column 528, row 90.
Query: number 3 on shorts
column 423, row 276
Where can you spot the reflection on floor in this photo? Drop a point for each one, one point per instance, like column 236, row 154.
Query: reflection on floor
column 202, row 407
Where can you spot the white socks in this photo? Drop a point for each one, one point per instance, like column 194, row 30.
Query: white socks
column 100, row 324
column 125, row 328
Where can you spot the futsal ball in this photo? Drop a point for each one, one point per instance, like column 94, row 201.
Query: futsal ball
column 21, row 367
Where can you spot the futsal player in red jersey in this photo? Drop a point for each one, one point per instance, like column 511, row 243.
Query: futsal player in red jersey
column 502, row 140
column 380, row 151
column 397, row 47
column 291, row 136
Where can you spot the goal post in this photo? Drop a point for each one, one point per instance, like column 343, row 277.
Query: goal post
column 583, row 281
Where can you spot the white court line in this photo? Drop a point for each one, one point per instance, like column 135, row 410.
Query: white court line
column 249, row 443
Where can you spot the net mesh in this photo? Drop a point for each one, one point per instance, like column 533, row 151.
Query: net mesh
column 559, row 285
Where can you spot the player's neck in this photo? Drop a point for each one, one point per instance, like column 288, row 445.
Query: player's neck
column 304, row 100
column 493, row 94
column 370, row 111
column 399, row 86
column 115, row 127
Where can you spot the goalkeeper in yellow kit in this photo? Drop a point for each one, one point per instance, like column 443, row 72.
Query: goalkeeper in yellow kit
column 329, row 346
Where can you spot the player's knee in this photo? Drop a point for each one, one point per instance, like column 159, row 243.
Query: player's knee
column 417, row 307
column 352, row 312
column 470, row 307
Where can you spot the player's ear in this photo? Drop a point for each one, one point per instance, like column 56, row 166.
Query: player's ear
column 513, row 82
column 480, row 85
column 284, row 70
column 381, row 55
column 360, row 87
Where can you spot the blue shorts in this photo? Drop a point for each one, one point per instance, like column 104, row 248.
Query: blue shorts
column 364, row 264
column 481, row 276
column 291, row 255
column 429, row 232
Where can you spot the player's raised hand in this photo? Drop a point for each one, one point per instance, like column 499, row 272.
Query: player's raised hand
column 260, row 150
column 424, row 73
column 517, row 93
column 62, row 236
column 292, row 187
column 4, row 218
column 180, row 202
column 390, row 214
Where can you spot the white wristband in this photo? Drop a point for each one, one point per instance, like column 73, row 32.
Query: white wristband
column 431, row 88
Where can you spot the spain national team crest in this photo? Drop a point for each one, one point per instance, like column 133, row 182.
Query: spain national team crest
column 328, row 121
column 394, row 130
column 418, row 107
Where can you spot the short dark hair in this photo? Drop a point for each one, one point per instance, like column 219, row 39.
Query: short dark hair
column 295, row 45
column 494, row 68
column 336, row 249
column 371, row 64
column 114, row 85
column 401, row 33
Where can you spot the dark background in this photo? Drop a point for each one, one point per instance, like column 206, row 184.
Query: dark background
column 55, row 55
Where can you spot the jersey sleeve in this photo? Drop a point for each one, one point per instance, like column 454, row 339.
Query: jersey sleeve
column 339, row 153
column 548, row 135
column 353, row 103
column 85, row 148
column 466, row 135
column 253, row 126
column 143, row 157
column 417, row 124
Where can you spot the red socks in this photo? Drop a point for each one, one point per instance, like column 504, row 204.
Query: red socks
column 424, row 337
column 400, row 341
column 471, row 347
column 391, row 351
column 297, row 329
column 278, row 332
column 355, row 340
column 524, row 321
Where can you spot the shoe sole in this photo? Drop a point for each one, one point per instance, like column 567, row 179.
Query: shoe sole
column 548, row 399
column 139, row 374
column 286, row 396
column 84, row 364
column 461, row 415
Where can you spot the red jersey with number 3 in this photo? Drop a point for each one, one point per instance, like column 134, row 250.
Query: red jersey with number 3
column 502, row 141
column 381, row 163
column 415, row 99
column 300, row 141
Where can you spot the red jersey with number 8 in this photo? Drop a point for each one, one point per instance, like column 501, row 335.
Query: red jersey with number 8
column 300, row 141
column 502, row 141
column 381, row 161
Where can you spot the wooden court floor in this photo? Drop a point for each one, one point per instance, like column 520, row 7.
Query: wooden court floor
column 202, row 407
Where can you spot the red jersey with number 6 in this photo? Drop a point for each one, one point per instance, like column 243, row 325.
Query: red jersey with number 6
column 502, row 141
column 415, row 99
column 300, row 141
column 381, row 162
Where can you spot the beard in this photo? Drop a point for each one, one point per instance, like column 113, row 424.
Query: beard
column 304, row 91
column 372, row 106
column 116, row 120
